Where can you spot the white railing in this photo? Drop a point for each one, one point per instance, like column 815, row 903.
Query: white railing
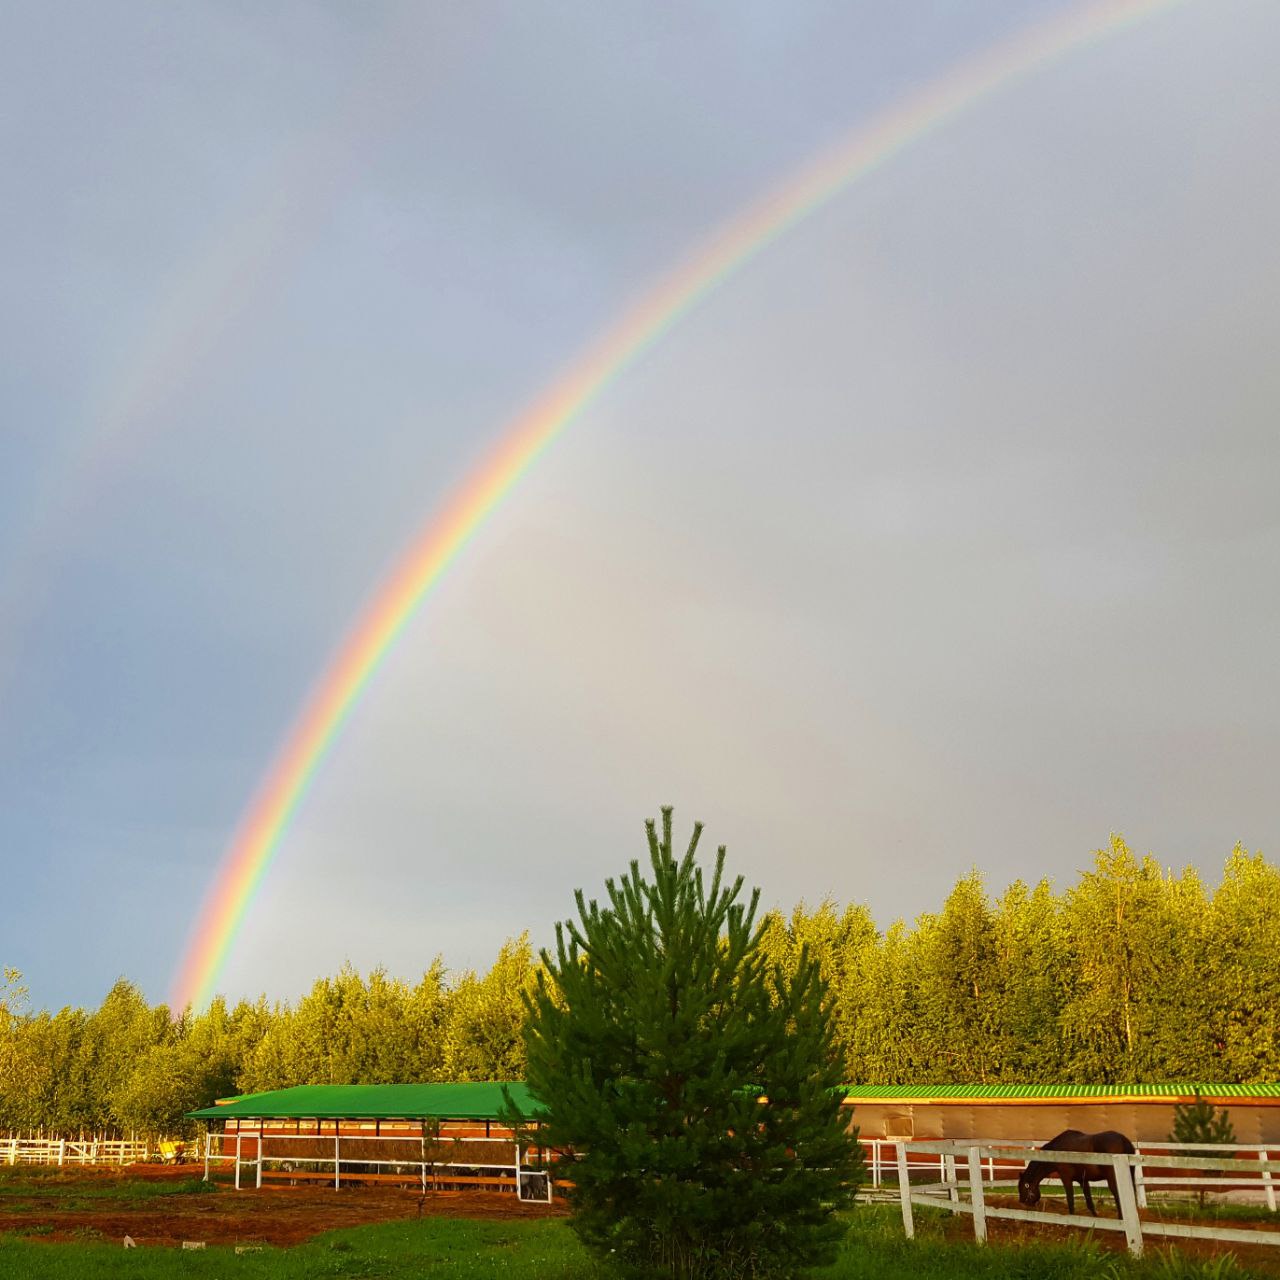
column 72, row 1151
column 881, row 1158
column 881, row 1155
column 967, row 1170
column 520, row 1174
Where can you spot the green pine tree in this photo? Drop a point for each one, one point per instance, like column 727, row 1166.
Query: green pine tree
column 1199, row 1122
column 694, row 1085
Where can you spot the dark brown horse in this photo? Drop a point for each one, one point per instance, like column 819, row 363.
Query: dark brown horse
column 1073, row 1140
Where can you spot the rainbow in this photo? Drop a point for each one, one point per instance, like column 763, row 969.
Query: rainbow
column 447, row 532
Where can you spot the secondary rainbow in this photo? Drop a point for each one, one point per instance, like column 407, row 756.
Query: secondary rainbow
column 449, row 530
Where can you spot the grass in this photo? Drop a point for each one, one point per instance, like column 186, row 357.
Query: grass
column 458, row 1249
column 23, row 1190
column 1225, row 1212
column 29, row 1184
column 432, row 1247
column 877, row 1250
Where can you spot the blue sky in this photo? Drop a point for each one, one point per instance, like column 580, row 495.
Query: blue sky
column 941, row 536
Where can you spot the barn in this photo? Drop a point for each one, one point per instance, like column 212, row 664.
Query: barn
column 1017, row 1112
column 446, row 1136
column 456, row 1136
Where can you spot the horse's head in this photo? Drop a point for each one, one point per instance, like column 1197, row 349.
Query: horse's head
column 1028, row 1188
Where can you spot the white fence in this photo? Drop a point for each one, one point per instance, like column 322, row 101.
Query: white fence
column 967, row 1170
column 530, row 1179
column 73, row 1151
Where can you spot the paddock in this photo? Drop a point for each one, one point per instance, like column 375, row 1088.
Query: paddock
column 972, row 1171
column 444, row 1137
column 1018, row 1112
column 452, row 1136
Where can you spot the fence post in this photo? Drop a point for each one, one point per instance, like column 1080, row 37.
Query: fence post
column 950, row 1178
column 337, row 1176
column 62, row 1151
column 978, row 1196
column 904, row 1191
column 1128, row 1204
column 237, row 1155
column 206, row 1155
column 262, row 1142
column 1140, row 1182
column 1266, row 1180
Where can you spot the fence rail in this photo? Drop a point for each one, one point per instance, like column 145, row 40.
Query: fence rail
column 968, row 1170
column 73, row 1151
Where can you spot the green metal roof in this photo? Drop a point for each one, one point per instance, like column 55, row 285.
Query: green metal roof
column 458, row 1101
column 374, row 1102
column 998, row 1092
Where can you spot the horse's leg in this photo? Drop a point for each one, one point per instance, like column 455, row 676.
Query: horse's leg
column 1088, row 1196
column 1068, row 1183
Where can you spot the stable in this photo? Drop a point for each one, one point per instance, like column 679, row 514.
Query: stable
column 1036, row 1112
column 443, row 1137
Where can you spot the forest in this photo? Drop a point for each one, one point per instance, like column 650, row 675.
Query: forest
column 1131, row 974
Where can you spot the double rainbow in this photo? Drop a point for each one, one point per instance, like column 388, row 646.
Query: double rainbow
column 448, row 531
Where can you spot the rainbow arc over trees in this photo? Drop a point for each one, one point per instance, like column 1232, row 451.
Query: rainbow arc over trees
column 448, row 530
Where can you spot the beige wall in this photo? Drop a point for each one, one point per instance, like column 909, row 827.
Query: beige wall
column 1142, row 1121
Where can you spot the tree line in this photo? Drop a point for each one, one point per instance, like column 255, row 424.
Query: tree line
column 1131, row 974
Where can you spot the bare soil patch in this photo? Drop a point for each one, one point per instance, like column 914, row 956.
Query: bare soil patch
column 278, row 1215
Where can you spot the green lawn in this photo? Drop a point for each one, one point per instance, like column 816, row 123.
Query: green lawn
column 547, row 1250
column 37, row 1183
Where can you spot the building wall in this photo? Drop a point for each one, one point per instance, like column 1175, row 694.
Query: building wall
column 1141, row 1121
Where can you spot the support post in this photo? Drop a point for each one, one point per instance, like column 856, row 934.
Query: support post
column 262, row 1142
column 950, row 1178
column 904, row 1191
column 519, row 1184
column 1267, row 1184
column 875, row 1163
column 206, row 1154
column 237, row 1155
column 1128, row 1204
column 977, row 1196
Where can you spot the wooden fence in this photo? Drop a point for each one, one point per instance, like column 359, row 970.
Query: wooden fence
column 968, row 1170
column 73, row 1151
column 473, row 1163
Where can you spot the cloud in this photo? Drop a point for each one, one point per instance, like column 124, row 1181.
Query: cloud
column 939, row 535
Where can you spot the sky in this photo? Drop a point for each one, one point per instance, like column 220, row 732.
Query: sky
column 941, row 535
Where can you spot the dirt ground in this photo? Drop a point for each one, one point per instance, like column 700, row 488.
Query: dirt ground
column 278, row 1215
